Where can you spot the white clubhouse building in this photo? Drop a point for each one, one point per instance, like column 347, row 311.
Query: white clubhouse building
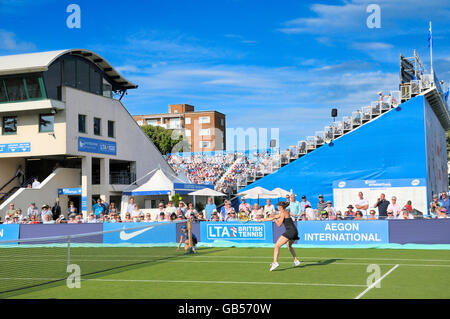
column 62, row 122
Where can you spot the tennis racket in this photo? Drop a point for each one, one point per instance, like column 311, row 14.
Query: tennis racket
column 243, row 217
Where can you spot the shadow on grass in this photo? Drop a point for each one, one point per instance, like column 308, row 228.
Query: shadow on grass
column 318, row 263
column 99, row 271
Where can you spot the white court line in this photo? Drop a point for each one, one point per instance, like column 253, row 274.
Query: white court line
column 63, row 260
column 376, row 282
column 200, row 282
column 239, row 257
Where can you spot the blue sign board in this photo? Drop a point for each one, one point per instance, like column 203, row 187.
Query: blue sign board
column 381, row 183
column 251, row 232
column 83, row 203
column 69, row 191
column 15, row 148
column 9, row 232
column 190, row 187
column 156, row 232
column 91, row 145
column 343, row 232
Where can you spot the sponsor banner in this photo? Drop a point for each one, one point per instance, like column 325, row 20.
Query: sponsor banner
column 251, row 232
column 381, row 183
column 15, row 148
column 69, row 191
column 9, row 232
column 419, row 231
column 164, row 232
column 343, row 232
column 190, row 187
column 41, row 230
column 195, row 230
column 91, row 145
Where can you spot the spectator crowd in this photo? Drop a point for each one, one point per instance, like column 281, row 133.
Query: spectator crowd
column 103, row 212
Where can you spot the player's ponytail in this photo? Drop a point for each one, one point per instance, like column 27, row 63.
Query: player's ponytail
column 284, row 205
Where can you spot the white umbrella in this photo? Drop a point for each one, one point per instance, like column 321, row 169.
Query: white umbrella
column 281, row 192
column 206, row 192
column 258, row 192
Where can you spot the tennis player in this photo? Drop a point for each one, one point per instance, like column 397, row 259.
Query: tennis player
column 185, row 238
column 288, row 237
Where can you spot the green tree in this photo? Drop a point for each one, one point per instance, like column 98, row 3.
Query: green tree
column 165, row 140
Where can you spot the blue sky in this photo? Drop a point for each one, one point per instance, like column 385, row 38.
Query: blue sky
column 265, row 64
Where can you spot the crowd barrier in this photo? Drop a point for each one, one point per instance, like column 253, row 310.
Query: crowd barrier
column 310, row 233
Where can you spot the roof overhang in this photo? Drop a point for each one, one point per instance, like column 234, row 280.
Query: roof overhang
column 439, row 107
column 40, row 62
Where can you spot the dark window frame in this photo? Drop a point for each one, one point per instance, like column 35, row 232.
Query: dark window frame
column 99, row 126
column 111, row 129
column 84, row 117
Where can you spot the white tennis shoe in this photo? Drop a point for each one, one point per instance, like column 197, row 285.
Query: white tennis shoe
column 296, row 263
column 274, row 266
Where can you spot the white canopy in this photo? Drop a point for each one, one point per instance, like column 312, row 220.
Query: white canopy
column 258, row 192
column 162, row 184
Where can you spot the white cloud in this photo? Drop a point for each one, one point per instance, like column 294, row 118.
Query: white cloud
column 9, row 43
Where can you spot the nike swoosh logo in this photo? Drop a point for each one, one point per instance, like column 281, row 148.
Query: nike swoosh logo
column 128, row 236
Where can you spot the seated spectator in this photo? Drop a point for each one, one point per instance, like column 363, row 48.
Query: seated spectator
column 136, row 212
column 324, row 215
column 214, row 217
column 128, row 218
column 190, row 212
column 244, row 206
column 113, row 209
column 441, row 213
column 330, row 210
column 445, row 202
column 61, row 220
column 34, row 220
column 231, row 216
column 32, row 210
column 269, row 209
column 409, row 206
column 434, row 205
column 91, row 219
column 259, row 216
column 302, row 217
column 11, row 211
column 24, row 220
column 254, row 211
column 339, row 215
column 148, row 218
column 162, row 217
column 394, row 207
column 310, row 214
column 349, row 213
column 372, row 215
column 46, row 211
column 79, row 219
column 72, row 209
column 359, row 215
column 390, row 214
column 72, row 219
column 406, row 214
column 173, row 217
column 48, row 219
column 19, row 215
column 202, row 215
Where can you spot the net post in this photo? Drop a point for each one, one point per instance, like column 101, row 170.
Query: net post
column 68, row 250
column 189, row 227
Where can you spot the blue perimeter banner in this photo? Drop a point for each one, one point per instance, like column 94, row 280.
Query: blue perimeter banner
column 251, row 232
column 343, row 232
column 164, row 232
column 9, row 232
column 91, row 145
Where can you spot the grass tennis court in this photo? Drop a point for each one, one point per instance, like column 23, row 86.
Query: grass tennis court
column 164, row 273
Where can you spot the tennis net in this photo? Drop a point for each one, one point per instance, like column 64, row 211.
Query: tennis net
column 36, row 263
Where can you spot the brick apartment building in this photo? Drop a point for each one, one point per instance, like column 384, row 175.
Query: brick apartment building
column 205, row 130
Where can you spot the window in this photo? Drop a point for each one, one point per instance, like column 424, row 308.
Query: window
column 97, row 126
column 222, row 122
column 187, row 120
column 111, row 129
column 15, row 89
column 205, row 144
column 83, row 75
column 95, row 81
column 52, row 79
column 3, row 96
column 152, row 122
column 205, row 132
column 187, row 132
column 33, row 87
column 81, row 123
column 69, row 72
column 175, row 123
column 9, row 126
column 204, row 119
column 46, row 123
column 140, row 123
